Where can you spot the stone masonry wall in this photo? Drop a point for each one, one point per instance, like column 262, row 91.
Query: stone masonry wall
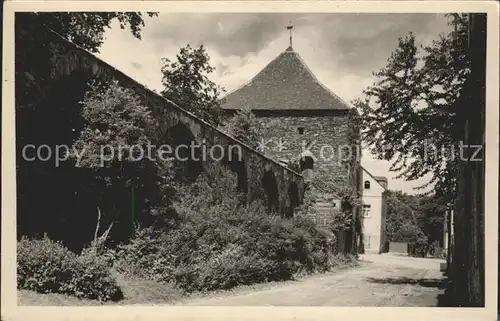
column 265, row 179
column 331, row 141
column 326, row 137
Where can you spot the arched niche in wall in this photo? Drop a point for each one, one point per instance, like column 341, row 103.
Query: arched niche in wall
column 306, row 164
column 271, row 189
column 234, row 160
column 185, row 151
column 293, row 193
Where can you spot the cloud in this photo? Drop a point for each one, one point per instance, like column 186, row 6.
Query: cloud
column 228, row 33
column 136, row 65
column 365, row 41
column 355, row 41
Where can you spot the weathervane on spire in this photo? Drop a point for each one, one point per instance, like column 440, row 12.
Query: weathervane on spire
column 290, row 27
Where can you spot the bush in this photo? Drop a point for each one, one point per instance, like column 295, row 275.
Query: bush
column 92, row 279
column 43, row 265
column 233, row 267
column 46, row 266
column 221, row 242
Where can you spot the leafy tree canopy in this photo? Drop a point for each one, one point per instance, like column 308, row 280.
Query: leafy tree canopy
column 116, row 148
column 408, row 115
column 48, row 112
column 86, row 29
column 245, row 127
column 414, row 218
column 185, row 82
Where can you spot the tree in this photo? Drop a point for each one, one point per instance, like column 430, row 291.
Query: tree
column 185, row 82
column 345, row 218
column 402, row 217
column 245, row 127
column 433, row 210
column 409, row 115
column 404, row 222
column 85, row 29
column 117, row 149
column 415, row 218
column 55, row 199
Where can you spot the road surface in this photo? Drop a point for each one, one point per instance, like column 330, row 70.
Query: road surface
column 381, row 280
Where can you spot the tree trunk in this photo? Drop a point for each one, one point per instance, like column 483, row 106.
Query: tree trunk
column 467, row 270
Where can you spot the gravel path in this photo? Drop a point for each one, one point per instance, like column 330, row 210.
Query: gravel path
column 379, row 281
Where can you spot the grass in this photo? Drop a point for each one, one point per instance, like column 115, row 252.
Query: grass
column 137, row 291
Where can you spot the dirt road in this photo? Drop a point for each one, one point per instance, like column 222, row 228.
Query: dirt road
column 379, row 281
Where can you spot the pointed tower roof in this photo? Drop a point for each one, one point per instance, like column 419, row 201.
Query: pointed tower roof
column 286, row 83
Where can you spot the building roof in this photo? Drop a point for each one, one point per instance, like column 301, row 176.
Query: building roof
column 380, row 178
column 286, row 83
column 376, row 178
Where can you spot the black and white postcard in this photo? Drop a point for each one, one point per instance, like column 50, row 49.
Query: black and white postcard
column 250, row 160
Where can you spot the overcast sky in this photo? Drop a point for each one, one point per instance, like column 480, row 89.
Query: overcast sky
column 342, row 50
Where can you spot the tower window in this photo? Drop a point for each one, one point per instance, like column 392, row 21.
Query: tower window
column 306, row 162
column 367, row 184
column 300, row 130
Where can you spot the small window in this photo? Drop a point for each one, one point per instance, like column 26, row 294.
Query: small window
column 367, row 184
column 366, row 210
column 312, row 218
column 306, row 162
column 300, row 130
column 326, row 222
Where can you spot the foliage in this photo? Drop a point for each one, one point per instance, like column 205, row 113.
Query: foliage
column 294, row 164
column 221, row 242
column 308, row 205
column 329, row 184
column 343, row 217
column 436, row 250
column 433, row 209
column 46, row 266
column 86, row 29
column 116, row 148
column 185, row 82
column 403, row 218
column 409, row 114
column 245, row 127
column 48, row 113
column 414, row 219
column 340, row 219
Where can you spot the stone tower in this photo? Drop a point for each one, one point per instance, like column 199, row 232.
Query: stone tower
column 302, row 120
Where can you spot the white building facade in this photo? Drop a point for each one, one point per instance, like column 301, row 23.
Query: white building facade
column 373, row 212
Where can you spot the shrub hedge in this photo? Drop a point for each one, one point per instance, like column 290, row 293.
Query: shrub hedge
column 46, row 266
column 218, row 241
column 222, row 242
